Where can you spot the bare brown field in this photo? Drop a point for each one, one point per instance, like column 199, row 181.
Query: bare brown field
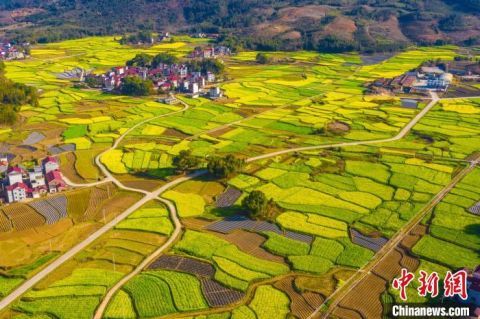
column 325, row 284
column 139, row 182
column 369, row 305
column 374, row 285
column 313, row 299
column 344, row 313
column 116, row 205
column 196, row 223
column 220, row 132
column 390, row 266
column 170, row 132
column 23, row 216
column 5, row 224
column 97, row 196
column 67, row 165
column 299, row 306
column 250, row 243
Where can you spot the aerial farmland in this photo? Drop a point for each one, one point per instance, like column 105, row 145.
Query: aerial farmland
column 356, row 187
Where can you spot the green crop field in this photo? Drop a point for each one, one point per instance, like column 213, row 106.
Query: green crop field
column 326, row 195
column 285, row 246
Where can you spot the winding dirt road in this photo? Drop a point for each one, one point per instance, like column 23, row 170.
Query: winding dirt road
column 28, row 284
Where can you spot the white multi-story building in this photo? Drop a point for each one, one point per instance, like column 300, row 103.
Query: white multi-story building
column 50, row 164
column 215, row 92
column 37, row 179
column 194, row 88
column 14, row 175
column 17, row 192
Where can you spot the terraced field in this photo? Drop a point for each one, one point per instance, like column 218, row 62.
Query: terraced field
column 80, row 283
column 336, row 207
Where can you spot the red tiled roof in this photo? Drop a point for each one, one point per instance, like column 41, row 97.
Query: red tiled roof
column 408, row 80
column 54, row 176
column 18, row 185
column 15, row 169
column 49, row 159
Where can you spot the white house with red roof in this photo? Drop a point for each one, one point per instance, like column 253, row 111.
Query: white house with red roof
column 50, row 163
column 15, row 175
column 17, row 192
column 3, row 164
column 55, row 182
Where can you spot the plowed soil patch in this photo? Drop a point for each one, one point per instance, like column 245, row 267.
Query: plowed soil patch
column 365, row 297
column 299, row 306
column 251, row 244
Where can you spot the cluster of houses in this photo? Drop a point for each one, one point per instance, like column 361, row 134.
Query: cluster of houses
column 426, row 78
column 9, row 51
column 210, row 52
column 20, row 184
column 202, row 35
column 437, row 77
column 165, row 78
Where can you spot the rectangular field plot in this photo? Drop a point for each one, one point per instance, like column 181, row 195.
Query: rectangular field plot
column 374, row 244
column 218, row 295
column 229, row 224
column 184, row 264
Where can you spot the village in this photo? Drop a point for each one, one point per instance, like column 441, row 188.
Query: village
column 20, row 183
column 9, row 51
column 436, row 77
column 167, row 78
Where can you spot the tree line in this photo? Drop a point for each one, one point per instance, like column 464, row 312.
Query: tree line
column 255, row 203
column 135, row 86
column 13, row 96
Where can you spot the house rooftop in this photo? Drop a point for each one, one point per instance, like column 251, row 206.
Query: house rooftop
column 18, row 185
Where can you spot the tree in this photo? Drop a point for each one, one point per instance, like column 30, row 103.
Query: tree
column 333, row 44
column 141, row 59
column 255, row 203
column 135, row 86
column 93, row 81
column 224, row 166
column 165, row 58
column 207, row 65
column 185, row 161
column 13, row 96
column 262, row 58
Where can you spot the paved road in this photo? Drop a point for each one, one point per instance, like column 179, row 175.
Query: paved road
column 107, row 173
column 153, row 195
column 360, row 275
column 397, row 137
column 177, row 231
column 90, row 239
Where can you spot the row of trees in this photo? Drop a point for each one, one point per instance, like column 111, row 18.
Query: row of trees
column 135, row 86
column 255, row 203
column 147, row 60
column 13, row 96
column 220, row 167
column 204, row 65
column 139, row 37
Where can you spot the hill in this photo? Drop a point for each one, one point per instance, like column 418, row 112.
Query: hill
column 328, row 25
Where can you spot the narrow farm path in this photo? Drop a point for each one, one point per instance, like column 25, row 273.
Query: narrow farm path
column 28, row 284
column 334, row 300
column 109, row 177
